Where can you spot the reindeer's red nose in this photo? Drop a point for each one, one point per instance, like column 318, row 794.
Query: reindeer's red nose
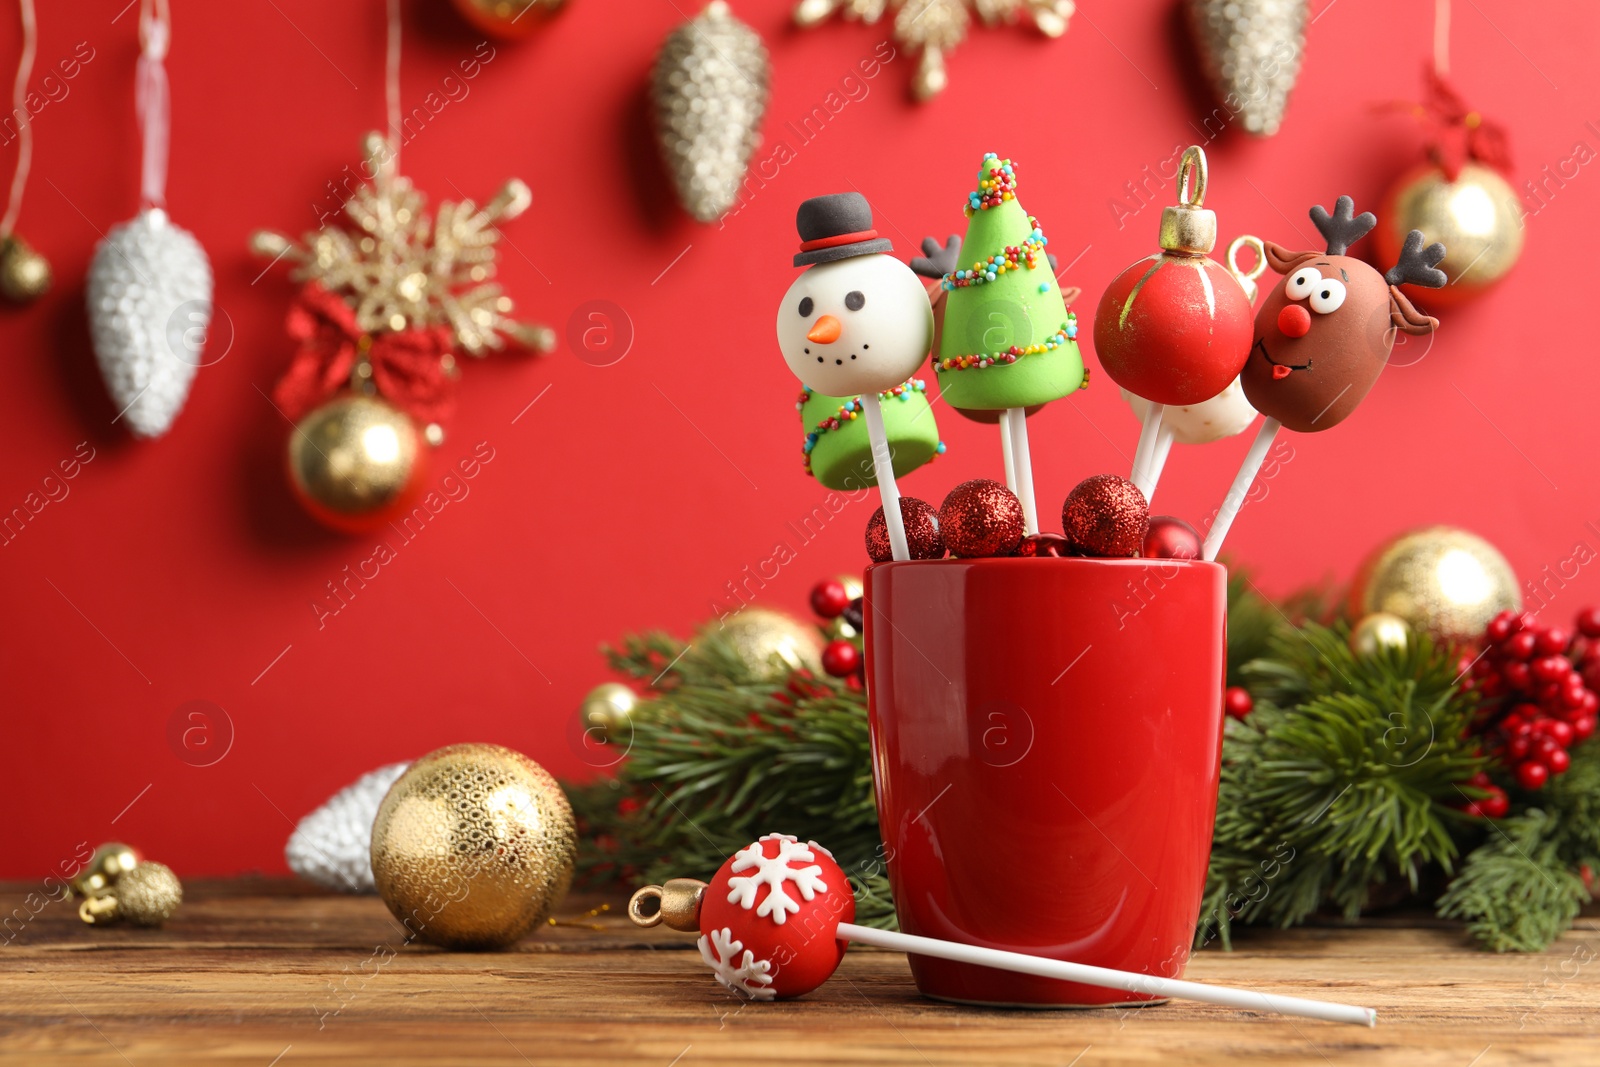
column 1294, row 320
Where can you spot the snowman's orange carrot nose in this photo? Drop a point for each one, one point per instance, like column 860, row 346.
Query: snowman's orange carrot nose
column 825, row 331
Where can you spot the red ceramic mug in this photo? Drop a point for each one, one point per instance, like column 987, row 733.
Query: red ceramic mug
column 1046, row 738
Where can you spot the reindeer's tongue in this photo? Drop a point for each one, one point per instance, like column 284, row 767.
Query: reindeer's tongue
column 1280, row 372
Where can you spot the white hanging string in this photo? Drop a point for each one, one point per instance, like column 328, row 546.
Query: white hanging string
column 153, row 100
column 391, row 86
column 19, row 111
column 1441, row 36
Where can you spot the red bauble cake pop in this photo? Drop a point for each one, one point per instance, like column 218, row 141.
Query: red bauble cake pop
column 767, row 918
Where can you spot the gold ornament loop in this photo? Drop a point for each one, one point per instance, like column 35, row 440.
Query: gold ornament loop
column 677, row 904
column 98, row 911
column 1188, row 229
column 636, row 906
column 1192, row 171
column 1247, row 278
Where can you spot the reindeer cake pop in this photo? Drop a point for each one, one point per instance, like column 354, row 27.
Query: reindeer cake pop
column 776, row 919
column 1323, row 335
column 856, row 323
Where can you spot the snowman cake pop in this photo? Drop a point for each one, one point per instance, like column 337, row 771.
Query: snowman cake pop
column 856, row 323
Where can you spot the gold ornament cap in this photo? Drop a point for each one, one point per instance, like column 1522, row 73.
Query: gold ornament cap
column 1187, row 229
column 677, row 904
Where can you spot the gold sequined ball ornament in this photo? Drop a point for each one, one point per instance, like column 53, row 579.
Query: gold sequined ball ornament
column 356, row 462
column 771, row 643
column 1478, row 217
column 1378, row 631
column 1441, row 581
column 473, row 846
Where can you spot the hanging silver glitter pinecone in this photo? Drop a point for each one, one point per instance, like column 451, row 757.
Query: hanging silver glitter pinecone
column 709, row 88
column 149, row 309
column 333, row 845
column 1251, row 51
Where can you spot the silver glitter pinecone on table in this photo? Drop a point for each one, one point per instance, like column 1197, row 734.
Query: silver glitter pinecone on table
column 149, row 308
column 333, row 845
column 1251, row 50
column 709, row 89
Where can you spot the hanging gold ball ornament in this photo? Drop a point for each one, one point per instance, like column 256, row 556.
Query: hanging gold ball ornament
column 110, row 861
column 771, row 643
column 1478, row 217
column 356, row 462
column 1377, row 631
column 473, row 846
column 508, row 20
column 609, row 707
column 148, row 894
column 24, row 273
column 1441, row 581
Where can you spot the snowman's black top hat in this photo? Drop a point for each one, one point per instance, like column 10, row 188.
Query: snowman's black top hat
column 836, row 226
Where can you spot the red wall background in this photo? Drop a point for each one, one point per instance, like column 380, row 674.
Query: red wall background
column 630, row 495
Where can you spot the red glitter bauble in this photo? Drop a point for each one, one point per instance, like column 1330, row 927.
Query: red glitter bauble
column 1106, row 516
column 922, row 532
column 841, row 658
column 981, row 518
column 829, row 598
column 1170, row 538
column 1042, row 545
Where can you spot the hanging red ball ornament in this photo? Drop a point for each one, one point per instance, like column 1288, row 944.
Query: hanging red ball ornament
column 1176, row 328
column 981, row 518
column 922, row 532
column 841, row 658
column 1170, row 538
column 1105, row 515
column 1237, row 702
column 508, row 20
column 829, row 598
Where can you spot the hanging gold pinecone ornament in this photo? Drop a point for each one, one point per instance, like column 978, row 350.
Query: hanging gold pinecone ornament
column 1251, row 52
column 709, row 91
column 934, row 27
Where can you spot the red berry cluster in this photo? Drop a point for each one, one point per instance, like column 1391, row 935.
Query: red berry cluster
column 840, row 657
column 1538, row 686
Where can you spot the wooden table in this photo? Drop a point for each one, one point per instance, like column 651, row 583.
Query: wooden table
column 270, row 972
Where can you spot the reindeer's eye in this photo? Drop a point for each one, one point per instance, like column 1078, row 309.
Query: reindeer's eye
column 1301, row 283
column 1327, row 296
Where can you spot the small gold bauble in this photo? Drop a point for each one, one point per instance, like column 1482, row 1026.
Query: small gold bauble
column 1478, row 217
column 852, row 585
column 1441, row 581
column 1378, row 631
column 473, row 846
column 24, row 273
column 354, row 462
column 609, row 707
column 763, row 638
column 109, row 862
column 148, row 894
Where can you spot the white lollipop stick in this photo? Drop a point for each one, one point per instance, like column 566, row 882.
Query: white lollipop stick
column 1158, row 459
column 1148, row 984
column 1015, row 422
column 883, row 469
column 1241, row 487
column 1148, row 433
column 1007, row 454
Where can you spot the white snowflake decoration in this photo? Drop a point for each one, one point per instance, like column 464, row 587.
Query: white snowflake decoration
column 750, row 976
column 776, row 874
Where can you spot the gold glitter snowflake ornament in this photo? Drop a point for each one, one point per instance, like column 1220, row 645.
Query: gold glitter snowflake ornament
column 401, row 270
column 934, row 27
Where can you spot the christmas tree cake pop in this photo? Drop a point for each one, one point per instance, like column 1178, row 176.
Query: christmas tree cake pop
column 1007, row 339
column 837, row 448
column 856, row 323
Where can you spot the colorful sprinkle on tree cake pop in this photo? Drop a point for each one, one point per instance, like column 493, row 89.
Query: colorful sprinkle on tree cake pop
column 837, row 448
column 1006, row 339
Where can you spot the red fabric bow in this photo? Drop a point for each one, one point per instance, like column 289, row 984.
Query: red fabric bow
column 1456, row 133
column 407, row 365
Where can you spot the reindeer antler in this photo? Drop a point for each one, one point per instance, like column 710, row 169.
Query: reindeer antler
column 1418, row 265
column 1344, row 227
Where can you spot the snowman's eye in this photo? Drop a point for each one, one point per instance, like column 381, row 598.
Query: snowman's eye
column 805, row 307
column 1301, row 283
column 854, row 300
